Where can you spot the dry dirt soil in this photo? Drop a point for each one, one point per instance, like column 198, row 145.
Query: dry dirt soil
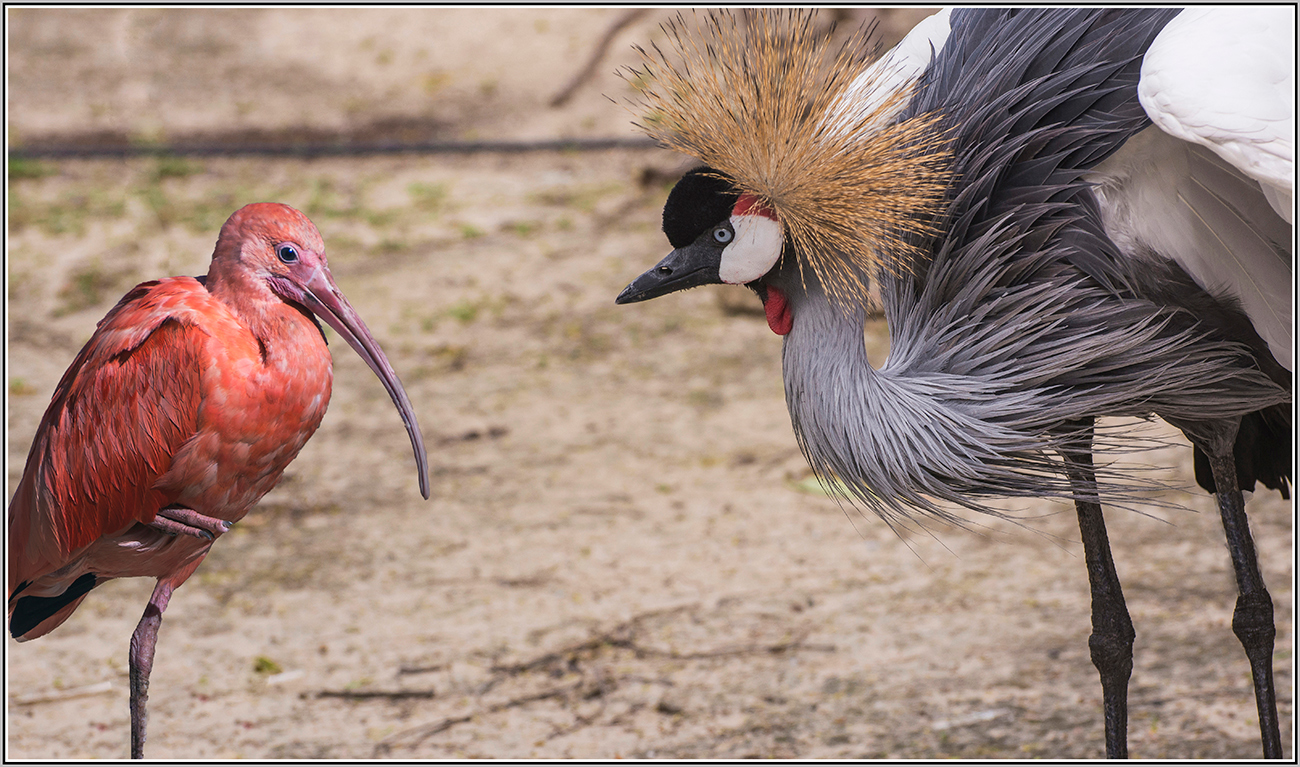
column 624, row 554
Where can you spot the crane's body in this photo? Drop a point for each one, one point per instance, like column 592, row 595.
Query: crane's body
column 1042, row 271
column 185, row 407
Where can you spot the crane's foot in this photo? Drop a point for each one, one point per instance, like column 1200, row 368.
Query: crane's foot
column 1111, row 642
column 1252, row 620
column 143, row 642
column 178, row 520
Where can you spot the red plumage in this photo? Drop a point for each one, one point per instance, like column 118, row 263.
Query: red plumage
column 183, row 410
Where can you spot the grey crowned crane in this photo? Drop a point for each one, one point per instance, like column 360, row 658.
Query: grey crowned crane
column 1068, row 214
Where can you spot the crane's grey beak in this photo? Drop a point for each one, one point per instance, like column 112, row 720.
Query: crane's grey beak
column 687, row 267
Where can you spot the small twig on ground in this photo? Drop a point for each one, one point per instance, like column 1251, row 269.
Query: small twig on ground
column 375, row 694
column 611, row 637
column 566, row 659
column 604, row 684
column 419, row 734
column 420, row 669
column 553, row 656
column 58, row 695
column 774, row 649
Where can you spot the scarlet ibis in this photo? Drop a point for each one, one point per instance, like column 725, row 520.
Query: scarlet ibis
column 180, row 413
column 1068, row 213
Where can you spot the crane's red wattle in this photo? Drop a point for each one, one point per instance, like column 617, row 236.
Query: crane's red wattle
column 777, row 309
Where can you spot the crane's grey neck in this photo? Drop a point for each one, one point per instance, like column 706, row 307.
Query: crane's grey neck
column 895, row 439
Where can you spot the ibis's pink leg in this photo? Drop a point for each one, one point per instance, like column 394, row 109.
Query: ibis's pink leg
column 142, row 646
column 178, row 520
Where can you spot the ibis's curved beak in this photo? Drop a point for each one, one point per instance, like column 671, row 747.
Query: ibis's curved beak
column 686, row 267
column 320, row 295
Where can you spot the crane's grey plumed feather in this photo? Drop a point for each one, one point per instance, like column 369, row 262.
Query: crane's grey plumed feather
column 1026, row 320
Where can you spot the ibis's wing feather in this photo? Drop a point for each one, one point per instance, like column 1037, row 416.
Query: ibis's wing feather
column 1224, row 78
column 122, row 410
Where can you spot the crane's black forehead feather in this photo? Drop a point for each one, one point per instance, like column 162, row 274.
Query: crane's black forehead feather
column 701, row 199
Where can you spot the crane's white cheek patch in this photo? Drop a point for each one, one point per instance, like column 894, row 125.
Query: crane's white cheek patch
column 754, row 251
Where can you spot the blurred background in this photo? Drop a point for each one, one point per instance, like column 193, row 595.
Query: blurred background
column 159, row 75
column 625, row 554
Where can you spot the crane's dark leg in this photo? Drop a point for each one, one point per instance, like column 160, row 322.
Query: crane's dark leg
column 1111, row 642
column 1252, row 620
column 141, row 663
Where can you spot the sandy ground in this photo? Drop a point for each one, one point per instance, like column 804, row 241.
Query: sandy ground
column 624, row 555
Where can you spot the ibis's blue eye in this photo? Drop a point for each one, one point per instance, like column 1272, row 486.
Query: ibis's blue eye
column 722, row 234
column 287, row 253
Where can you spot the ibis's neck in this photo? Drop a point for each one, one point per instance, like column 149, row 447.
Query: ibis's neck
column 232, row 283
column 252, row 301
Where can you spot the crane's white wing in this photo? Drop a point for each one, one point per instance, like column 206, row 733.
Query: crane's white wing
column 1224, row 78
column 897, row 69
column 1211, row 186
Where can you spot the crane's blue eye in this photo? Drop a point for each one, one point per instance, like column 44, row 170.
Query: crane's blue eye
column 287, row 253
column 722, row 234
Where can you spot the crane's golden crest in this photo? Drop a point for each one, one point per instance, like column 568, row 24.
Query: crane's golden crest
column 805, row 129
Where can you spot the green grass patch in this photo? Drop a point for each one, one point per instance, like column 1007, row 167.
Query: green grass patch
column 524, row 228
column 67, row 215
column 428, row 197
column 88, row 285
column 582, row 196
column 25, row 167
column 20, row 388
column 465, row 311
column 170, row 166
column 264, row 665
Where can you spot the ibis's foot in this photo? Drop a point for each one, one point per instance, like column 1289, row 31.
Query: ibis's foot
column 178, row 520
column 143, row 642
